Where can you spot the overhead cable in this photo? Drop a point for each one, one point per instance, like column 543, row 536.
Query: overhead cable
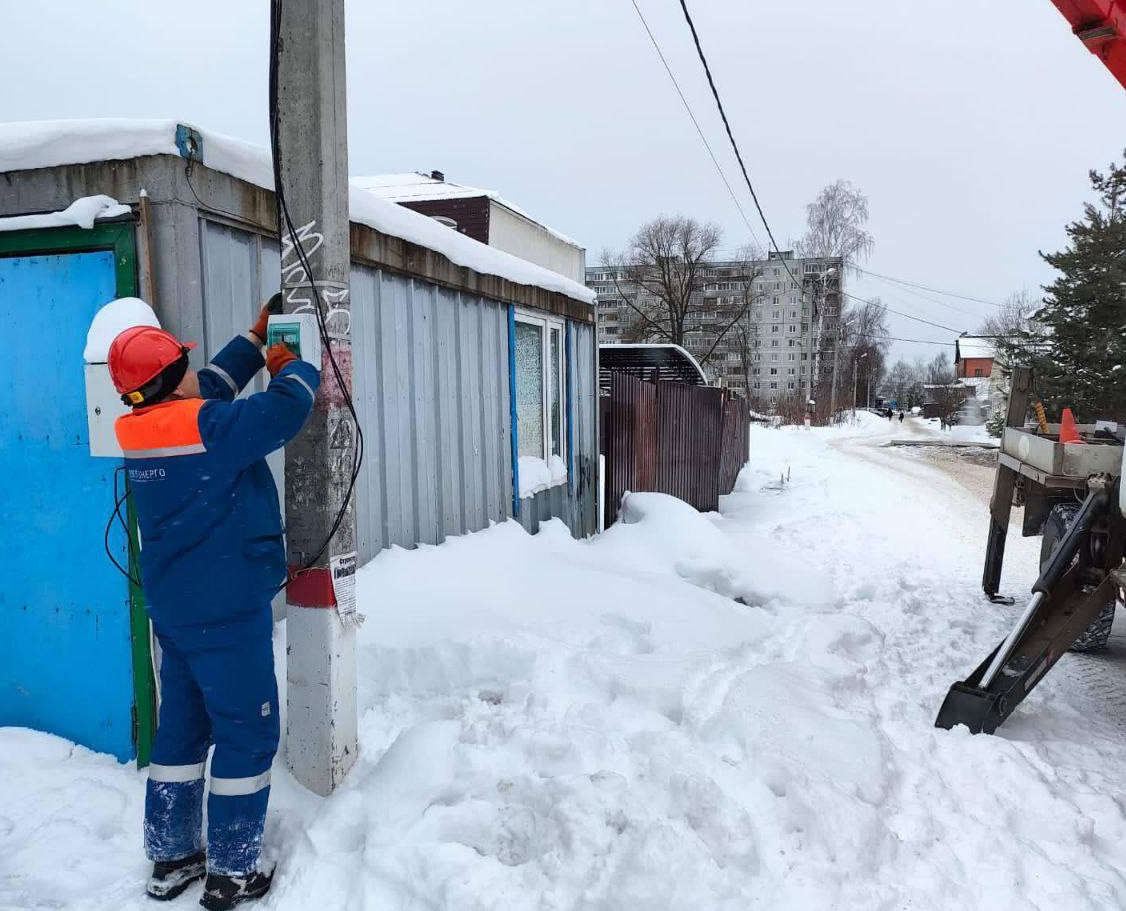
column 731, row 137
column 695, row 122
column 917, row 319
column 903, row 281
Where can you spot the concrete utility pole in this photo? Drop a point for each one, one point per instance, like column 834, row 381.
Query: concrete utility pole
column 313, row 136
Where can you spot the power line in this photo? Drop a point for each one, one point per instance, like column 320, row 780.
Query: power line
column 731, row 136
column 916, row 341
column 903, row 281
column 917, row 319
column 930, row 299
column 695, row 122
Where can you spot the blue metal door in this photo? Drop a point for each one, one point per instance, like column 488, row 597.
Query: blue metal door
column 65, row 642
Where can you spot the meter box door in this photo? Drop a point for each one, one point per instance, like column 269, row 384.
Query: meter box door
column 103, row 407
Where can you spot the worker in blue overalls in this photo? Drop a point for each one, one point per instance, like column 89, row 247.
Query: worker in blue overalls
column 212, row 558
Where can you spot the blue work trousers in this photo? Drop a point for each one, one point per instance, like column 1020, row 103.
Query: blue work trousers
column 217, row 688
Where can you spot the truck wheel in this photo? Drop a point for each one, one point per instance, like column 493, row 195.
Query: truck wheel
column 1059, row 521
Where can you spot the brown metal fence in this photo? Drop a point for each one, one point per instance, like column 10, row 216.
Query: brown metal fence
column 687, row 441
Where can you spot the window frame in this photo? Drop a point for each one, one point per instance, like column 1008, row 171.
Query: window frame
column 546, row 324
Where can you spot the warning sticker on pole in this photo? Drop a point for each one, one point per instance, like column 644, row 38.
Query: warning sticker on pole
column 343, row 568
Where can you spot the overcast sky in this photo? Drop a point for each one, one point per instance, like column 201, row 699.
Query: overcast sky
column 970, row 124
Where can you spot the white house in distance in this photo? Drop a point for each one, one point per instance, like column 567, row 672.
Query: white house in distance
column 483, row 215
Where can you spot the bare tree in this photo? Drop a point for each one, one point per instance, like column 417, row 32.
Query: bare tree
column 1017, row 338
column 863, row 341
column 944, row 389
column 904, row 383
column 835, row 229
column 835, row 225
column 661, row 279
column 1015, row 335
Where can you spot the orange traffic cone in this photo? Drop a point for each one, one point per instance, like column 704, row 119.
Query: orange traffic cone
column 1069, row 433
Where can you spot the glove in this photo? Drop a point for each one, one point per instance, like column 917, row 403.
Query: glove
column 259, row 328
column 278, row 357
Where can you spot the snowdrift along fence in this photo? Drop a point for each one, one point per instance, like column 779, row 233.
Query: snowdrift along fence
column 687, row 441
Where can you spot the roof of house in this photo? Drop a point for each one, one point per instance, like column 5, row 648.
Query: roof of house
column 54, row 143
column 671, row 363
column 417, row 187
column 977, row 346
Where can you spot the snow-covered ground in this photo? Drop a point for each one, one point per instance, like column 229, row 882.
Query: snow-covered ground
column 731, row 711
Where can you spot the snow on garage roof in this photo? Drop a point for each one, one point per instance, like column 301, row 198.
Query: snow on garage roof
column 52, row 143
column 967, row 346
column 418, row 187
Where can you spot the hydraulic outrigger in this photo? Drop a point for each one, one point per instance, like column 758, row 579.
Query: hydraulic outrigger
column 1080, row 576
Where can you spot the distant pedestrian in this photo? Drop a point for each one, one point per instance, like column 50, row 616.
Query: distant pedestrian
column 901, row 417
column 942, row 422
column 891, row 414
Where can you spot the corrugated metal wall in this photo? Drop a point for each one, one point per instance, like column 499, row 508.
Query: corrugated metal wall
column 687, row 441
column 430, row 376
column 240, row 271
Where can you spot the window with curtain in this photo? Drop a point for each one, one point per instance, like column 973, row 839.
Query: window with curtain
column 529, row 390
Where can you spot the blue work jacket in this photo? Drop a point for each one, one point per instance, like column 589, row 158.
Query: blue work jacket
column 212, row 547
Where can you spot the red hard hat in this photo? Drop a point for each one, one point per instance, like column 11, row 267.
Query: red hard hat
column 138, row 354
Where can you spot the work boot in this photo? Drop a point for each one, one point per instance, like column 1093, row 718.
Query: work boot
column 171, row 877
column 223, row 892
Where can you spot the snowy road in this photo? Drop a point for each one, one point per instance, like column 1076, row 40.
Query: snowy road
column 600, row 725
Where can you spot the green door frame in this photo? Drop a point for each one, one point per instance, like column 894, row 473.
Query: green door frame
column 119, row 237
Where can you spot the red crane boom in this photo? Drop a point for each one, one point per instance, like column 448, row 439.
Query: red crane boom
column 1101, row 26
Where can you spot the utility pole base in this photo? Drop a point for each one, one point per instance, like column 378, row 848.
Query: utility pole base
column 321, row 744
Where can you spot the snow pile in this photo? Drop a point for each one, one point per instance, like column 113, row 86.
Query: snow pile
column 970, row 433
column 536, row 474
column 81, row 213
column 59, row 142
column 112, row 319
column 656, row 532
column 599, row 725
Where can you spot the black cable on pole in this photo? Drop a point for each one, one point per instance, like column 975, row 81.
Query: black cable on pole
column 318, row 308
column 118, row 499
column 731, row 136
column 695, row 122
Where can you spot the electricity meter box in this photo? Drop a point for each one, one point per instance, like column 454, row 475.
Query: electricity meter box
column 298, row 332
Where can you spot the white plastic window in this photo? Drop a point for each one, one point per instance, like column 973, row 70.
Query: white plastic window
column 541, row 377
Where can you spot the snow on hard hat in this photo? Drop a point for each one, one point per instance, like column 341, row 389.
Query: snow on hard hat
column 140, row 353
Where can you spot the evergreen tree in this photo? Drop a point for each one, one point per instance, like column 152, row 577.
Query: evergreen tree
column 1078, row 351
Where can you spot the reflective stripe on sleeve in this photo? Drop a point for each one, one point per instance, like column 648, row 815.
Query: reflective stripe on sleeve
column 308, row 388
column 162, row 451
column 175, row 773
column 239, row 787
column 224, row 376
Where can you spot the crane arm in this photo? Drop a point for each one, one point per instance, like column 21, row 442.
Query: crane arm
column 1101, row 26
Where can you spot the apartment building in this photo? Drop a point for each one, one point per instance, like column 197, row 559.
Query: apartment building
column 793, row 310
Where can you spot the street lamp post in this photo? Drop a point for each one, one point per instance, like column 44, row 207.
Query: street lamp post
column 854, row 366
